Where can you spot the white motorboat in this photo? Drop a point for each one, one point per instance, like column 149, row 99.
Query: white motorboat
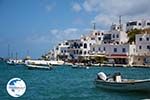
column 14, row 62
column 38, row 66
column 80, row 67
column 116, row 83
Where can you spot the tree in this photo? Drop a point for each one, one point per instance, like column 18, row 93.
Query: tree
column 132, row 33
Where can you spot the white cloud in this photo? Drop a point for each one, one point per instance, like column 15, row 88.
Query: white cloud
column 118, row 7
column 104, row 21
column 53, row 37
column 50, row 7
column 108, row 11
column 76, row 7
column 91, row 5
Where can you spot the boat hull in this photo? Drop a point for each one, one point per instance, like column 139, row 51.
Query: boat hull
column 129, row 86
column 33, row 67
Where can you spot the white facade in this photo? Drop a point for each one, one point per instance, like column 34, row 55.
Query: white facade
column 115, row 35
column 114, row 49
column 93, row 38
column 137, row 24
column 61, row 49
column 143, row 44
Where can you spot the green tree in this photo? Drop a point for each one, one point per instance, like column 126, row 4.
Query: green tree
column 132, row 33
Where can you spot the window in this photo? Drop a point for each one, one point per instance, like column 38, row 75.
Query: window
column 115, row 49
column 74, row 52
column 102, row 33
column 99, row 38
column 147, row 39
column 93, row 49
column 148, row 23
column 95, row 33
column 127, row 24
column 140, row 47
column 104, row 48
column 80, row 44
column 148, row 47
column 113, row 35
column 117, row 35
column 99, row 49
column 85, row 45
column 67, row 43
column 140, row 39
column 80, row 52
column 85, row 52
column 77, row 51
column 139, row 24
column 64, row 51
column 123, row 49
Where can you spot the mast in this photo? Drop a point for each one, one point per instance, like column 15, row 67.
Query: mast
column 16, row 55
column 94, row 26
column 8, row 51
column 120, row 26
column 11, row 55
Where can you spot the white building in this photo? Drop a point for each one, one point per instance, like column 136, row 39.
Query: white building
column 74, row 48
column 115, row 35
column 137, row 24
column 95, row 37
column 60, row 51
column 143, row 44
column 142, row 55
column 118, row 52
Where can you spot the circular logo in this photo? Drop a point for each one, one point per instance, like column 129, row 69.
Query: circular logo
column 16, row 87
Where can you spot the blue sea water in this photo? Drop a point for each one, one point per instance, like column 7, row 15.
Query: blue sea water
column 65, row 83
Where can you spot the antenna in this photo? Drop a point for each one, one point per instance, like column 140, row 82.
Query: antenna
column 94, row 25
column 120, row 22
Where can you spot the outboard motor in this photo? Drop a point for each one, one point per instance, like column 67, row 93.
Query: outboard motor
column 102, row 76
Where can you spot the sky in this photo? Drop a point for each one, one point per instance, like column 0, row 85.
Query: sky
column 35, row 26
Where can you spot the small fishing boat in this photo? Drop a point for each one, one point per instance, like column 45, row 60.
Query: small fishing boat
column 117, row 83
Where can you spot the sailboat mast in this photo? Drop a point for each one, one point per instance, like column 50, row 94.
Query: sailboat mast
column 8, row 51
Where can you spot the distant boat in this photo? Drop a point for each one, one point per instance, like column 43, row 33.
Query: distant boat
column 39, row 66
column 14, row 62
column 42, row 64
column 116, row 83
column 80, row 66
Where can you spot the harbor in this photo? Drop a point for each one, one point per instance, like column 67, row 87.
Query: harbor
column 63, row 83
column 74, row 50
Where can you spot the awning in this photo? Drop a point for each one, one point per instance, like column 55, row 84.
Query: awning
column 117, row 56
